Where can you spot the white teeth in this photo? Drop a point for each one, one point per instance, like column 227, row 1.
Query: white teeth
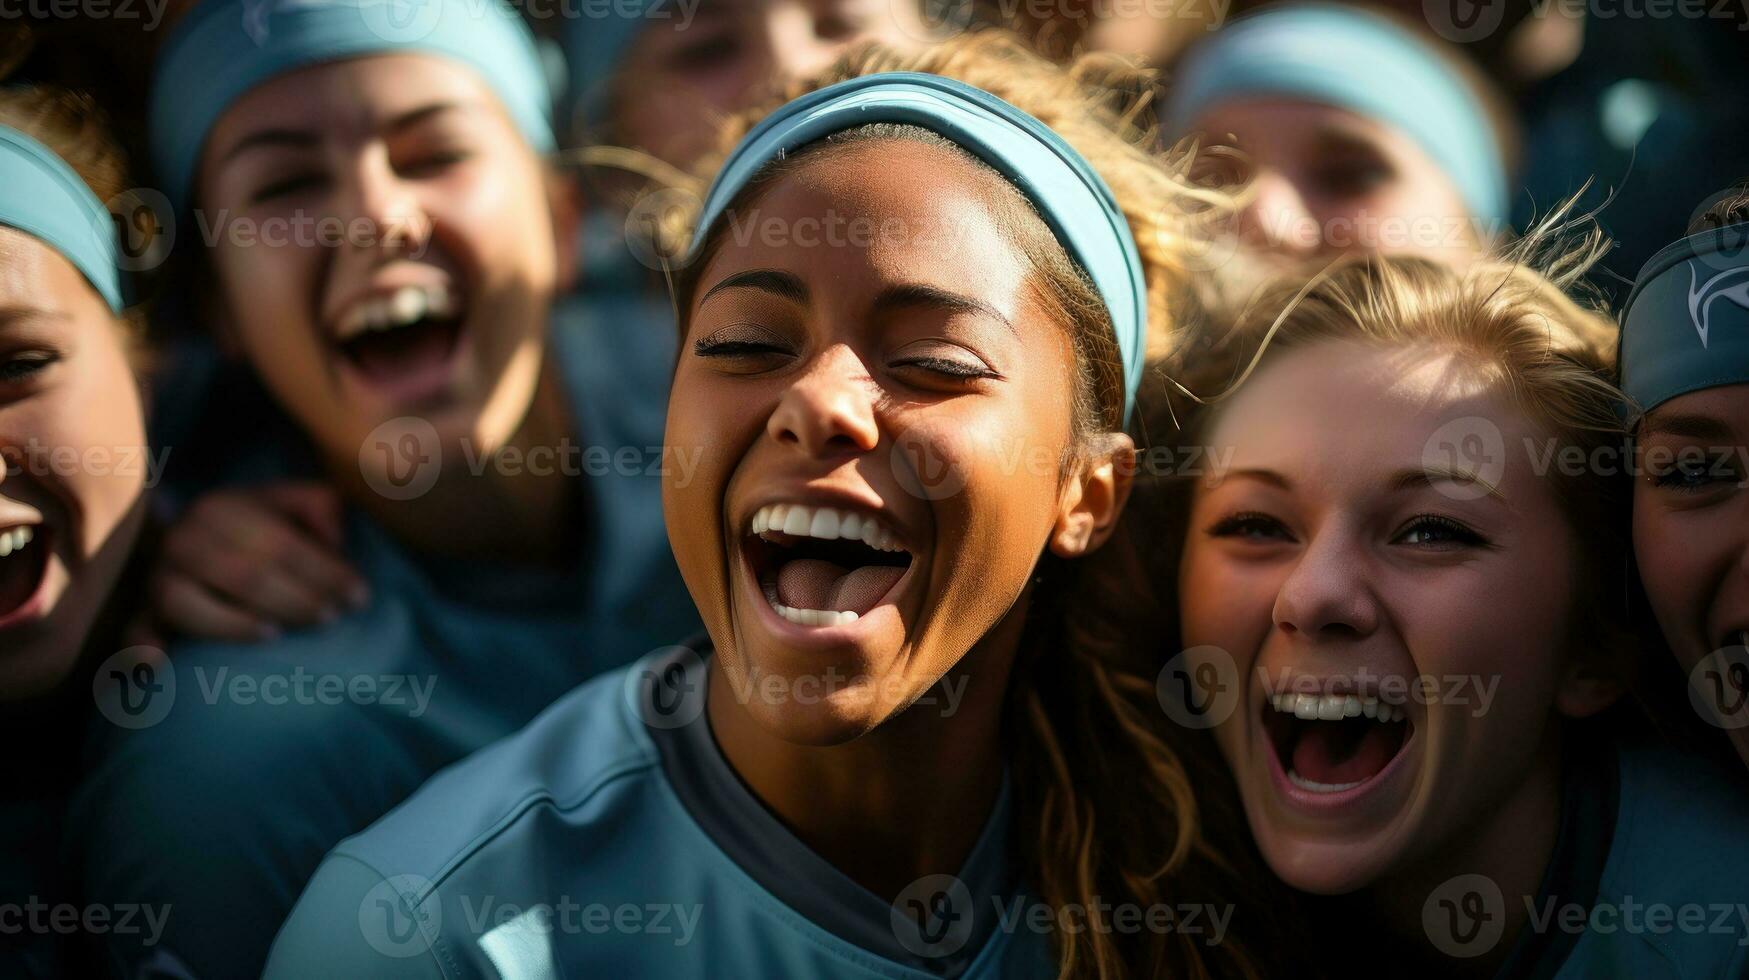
column 1317, row 787
column 814, row 617
column 388, row 311
column 15, row 540
column 1334, row 707
column 826, row 523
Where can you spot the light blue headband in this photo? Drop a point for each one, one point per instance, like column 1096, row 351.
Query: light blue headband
column 596, row 43
column 227, row 47
column 1068, row 194
column 1686, row 324
column 42, row 196
column 1356, row 61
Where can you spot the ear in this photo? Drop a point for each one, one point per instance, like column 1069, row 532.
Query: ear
column 1587, row 688
column 1094, row 495
column 565, row 200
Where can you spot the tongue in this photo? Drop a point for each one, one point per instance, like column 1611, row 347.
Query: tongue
column 403, row 351
column 1344, row 751
column 812, row 583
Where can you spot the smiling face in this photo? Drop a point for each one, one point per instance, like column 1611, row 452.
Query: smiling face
column 1327, row 181
column 386, row 247
column 1691, row 528
column 868, row 390
column 1336, row 562
column 677, row 83
column 73, row 440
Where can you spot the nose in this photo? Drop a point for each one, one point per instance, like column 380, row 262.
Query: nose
column 830, row 408
column 1327, row 595
column 386, row 213
column 1277, row 218
column 802, row 40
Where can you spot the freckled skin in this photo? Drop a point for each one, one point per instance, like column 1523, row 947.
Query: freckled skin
column 1329, row 181
column 1340, row 572
column 1691, row 537
column 77, row 425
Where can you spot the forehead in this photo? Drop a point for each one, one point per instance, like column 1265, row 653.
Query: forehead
column 881, row 210
column 352, row 94
column 34, row 274
column 1715, row 413
column 1345, row 412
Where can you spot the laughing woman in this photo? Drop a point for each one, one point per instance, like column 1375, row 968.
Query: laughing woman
column 880, row 762
column 1426, row 620
column 67, row 392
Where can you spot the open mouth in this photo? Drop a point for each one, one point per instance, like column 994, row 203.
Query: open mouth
column 408, row 334
column 821, row 566
column 1332, row 743
column 24, row 562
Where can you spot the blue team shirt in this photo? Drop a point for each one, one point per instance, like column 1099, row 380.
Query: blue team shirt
column 611, row 839
column 270, row 754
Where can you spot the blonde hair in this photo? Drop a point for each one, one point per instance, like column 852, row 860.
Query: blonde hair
column 1105, row 812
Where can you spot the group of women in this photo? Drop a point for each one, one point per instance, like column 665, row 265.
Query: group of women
column 880, row 643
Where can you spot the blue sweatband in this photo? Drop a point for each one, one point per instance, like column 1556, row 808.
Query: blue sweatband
column 41, row 196
column 225, row 48
column 1353, row 60
column 1071, row 198
column 1686, row 324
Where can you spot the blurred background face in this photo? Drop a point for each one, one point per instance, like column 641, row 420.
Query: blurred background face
column 858, row 514
column 1334, row 561
column 1691, row 534
column 73, row 441
column 676, row 84
column 385, row 247
column 1328, row 181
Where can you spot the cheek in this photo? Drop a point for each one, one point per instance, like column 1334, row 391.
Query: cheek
column 95, row 427
column 1670, row 559
column 1224, row 603
column 497, row 214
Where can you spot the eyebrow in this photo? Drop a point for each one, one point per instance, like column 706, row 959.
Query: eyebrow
column 917, row 294
column 285, row 136
column 1691, row 426
column 1270, row 477
column 1428, row 474
column 783, row 284
column 11, row 315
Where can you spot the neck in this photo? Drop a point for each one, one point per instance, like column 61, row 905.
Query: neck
column 907, row 799
column 1512, row 847
column 496, row 509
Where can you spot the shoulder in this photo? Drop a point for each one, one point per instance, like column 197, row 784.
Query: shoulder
column 584, row 769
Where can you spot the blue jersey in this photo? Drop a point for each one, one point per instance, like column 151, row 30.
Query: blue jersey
column 1672, row 899
column 267, row 755
column 611, row 839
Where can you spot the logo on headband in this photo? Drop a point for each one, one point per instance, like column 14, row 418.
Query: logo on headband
column 1731, row 284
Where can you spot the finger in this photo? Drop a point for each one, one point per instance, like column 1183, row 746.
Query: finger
column 313, row 505
column 184, row 606
column 266, row 589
